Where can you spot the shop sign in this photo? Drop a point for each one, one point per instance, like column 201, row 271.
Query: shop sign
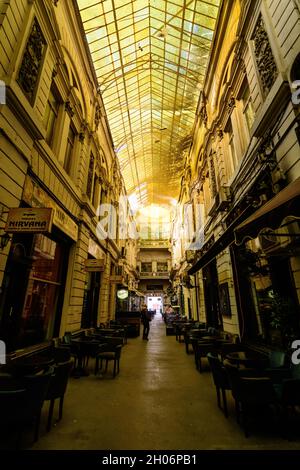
column 37, row 197
column 29, row 220
column 65, row 223
column 122, row 294
column 94, row 265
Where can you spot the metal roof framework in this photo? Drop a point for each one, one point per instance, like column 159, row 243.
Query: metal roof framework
column 150, row 59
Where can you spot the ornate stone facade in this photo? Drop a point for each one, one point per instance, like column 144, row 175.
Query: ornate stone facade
column 264, row 57
column 203, row 111
column 32, row 61
column 97, row 116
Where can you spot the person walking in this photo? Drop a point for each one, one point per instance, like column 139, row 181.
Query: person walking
column 145, row 317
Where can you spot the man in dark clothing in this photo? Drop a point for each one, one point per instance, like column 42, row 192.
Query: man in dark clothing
column 145, row 316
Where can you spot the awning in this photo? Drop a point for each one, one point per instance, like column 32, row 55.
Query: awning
column 219, row 245
column 212, row 247
column 285, row 205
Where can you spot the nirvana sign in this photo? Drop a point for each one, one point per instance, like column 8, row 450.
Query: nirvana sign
column 29, row 220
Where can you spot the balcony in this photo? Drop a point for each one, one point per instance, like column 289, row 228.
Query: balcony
column 155, row 243
column 155, row 275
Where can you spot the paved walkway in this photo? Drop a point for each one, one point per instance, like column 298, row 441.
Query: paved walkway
column 158, row 401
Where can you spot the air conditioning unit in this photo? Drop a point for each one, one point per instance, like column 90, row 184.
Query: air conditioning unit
column 223, row 198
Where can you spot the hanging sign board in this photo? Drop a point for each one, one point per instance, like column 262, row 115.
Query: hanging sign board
column 94, row 265
column 29, row 220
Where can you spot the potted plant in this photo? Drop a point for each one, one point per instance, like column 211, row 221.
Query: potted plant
column 283, row 320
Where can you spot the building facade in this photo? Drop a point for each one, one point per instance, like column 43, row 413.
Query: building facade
column 244, row 161
column 233, row 251
column 57, row 153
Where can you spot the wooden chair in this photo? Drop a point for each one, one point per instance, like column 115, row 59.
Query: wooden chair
column 112, row 353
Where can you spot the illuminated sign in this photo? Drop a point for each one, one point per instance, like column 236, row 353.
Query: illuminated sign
column 122, row 294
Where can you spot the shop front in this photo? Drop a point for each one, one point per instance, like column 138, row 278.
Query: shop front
column 94, row 266
column 211, row 295
column 266, row 256
column 33, row 289
column 34, row 280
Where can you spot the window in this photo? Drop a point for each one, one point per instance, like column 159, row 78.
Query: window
column 90, row 176
column 45, row 284
column 146, row 267
column 162, row 266
column 32, row 61
column 206, row 194
column 69, row 150
column 248, row 108
column 96, row 192
column 231, row 146
column 103, row 198
column 51, row 114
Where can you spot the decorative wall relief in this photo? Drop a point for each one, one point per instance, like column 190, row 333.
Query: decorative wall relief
column 231, row 104
column 264, row 56
column 203, row 111
column 32, row 61
column 97, row 116
column 220, row 134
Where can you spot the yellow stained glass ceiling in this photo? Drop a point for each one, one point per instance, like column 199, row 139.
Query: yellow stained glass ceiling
column 150, row 58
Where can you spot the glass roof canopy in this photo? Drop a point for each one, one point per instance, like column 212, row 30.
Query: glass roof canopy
column 150, row 58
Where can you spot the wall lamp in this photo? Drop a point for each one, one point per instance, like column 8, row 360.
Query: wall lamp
column 4, row 239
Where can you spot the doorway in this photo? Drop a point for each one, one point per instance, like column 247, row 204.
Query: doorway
column 211, row 295
column 89, row 317
column 155, row 304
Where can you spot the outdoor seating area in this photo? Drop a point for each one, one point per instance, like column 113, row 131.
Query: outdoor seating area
column 30, row 380
column 58, row 396
column 259, row 381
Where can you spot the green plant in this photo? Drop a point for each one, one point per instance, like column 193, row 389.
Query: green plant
column 283, row 317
